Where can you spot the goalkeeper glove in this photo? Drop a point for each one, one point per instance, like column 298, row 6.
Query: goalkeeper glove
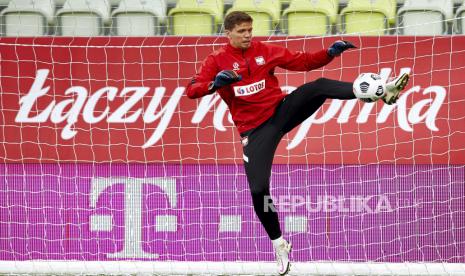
column 223, row 78
column 338, row 47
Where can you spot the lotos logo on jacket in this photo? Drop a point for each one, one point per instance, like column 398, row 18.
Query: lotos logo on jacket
column 249, row 89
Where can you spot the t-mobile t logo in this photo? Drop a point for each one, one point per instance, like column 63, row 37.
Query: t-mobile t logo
column 132, row 210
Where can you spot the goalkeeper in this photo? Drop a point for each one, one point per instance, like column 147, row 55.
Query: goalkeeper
column 242, row 72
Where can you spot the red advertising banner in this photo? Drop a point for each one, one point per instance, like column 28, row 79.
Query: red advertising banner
column 122, row 100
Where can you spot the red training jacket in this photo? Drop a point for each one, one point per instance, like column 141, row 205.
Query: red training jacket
column 252, row 100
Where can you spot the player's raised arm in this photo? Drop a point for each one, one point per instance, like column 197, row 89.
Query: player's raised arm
column 208, row 80
column 305, row 61
column 199, row 84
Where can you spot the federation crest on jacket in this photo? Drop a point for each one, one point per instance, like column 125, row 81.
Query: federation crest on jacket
column 260, row 60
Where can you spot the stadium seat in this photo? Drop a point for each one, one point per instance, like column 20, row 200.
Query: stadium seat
column 83, row 17
column 265, row 14
column 393, row 13
column 27, row 17
column 115, row 3
column 367, row 17
column 138, row 17
column 196, row 17
column 425, row 17
column 460, row 20
column 305, row 17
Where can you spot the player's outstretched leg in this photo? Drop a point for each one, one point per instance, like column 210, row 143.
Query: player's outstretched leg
column 393, row 88
column 282, row 249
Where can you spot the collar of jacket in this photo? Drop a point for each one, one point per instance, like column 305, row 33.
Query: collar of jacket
column 232, row 49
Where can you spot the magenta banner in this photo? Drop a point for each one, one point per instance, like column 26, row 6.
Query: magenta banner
column 386, row 213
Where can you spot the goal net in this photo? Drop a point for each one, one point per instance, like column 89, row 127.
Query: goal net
column 106, row 166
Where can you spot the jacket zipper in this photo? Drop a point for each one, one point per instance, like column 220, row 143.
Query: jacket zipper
column 246, row 62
